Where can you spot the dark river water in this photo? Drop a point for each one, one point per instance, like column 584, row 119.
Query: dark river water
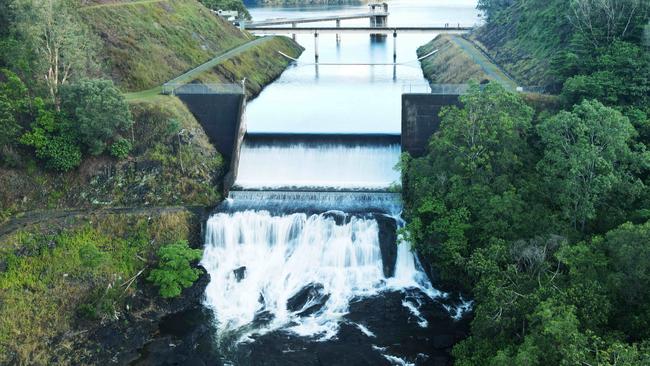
column 305, row 259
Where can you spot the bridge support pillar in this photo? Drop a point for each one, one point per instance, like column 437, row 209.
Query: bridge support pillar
column 316, row 46
column 338, row 35
column 394, row 46
column 293, row 25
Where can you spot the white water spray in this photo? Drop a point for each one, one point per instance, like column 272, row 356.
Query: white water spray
column 282, row 255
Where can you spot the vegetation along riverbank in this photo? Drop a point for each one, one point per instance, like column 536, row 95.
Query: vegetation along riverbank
column 540, row 210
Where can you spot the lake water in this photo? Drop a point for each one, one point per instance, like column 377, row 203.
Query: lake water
column 350, row 99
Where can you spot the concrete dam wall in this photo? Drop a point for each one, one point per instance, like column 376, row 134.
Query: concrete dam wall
column 420, row 119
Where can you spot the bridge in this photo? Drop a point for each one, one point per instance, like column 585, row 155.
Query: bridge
column 263, row 30
column 378, row 16
column 295, row 21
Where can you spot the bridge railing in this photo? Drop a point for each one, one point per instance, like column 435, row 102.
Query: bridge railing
column 225, row 88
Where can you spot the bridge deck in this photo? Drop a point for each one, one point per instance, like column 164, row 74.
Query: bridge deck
column 314, row 19
column 367, row 30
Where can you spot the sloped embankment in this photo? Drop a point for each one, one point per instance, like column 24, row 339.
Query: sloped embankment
column 260, row 65
column 458, row 61
column 147, row 43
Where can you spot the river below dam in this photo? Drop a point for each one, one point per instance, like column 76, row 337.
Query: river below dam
column 305, row 259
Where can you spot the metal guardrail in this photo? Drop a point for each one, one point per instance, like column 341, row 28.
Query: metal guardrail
column 423, row 88
column 225, row 88
column 458, row 89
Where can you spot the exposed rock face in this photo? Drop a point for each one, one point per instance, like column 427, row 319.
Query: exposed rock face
column 387, row 243
column 121, row 342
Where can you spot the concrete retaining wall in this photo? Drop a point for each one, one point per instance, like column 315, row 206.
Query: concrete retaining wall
column 220, row 115
column 420, row 119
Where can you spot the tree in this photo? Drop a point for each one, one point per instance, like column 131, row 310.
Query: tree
column 601, row 22
column 464, row 191
column 493, row 7
column 174, row 271
column 14, row 107
column 586, row 153
column 99, row 111
column 618, row 76
column 65, row 47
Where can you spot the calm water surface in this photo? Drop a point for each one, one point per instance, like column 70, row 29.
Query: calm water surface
column 350, row 99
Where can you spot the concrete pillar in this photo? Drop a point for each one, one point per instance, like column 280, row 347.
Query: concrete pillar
column 394, row 46
column 293, row 25
column 338, row 35
column 316, row 45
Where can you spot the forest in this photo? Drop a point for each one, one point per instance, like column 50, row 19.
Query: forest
column 540, row 210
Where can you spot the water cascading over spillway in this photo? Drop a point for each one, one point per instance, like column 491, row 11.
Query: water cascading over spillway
column 260, row 266
column 319, row 162
column 294, row 258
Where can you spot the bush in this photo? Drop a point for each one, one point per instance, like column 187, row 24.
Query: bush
column 54, row 140
column 99, row 110
column 174, row 271
column 121, row 148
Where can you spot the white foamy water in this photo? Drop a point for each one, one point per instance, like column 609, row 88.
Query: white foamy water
column 282, row 255
column 323, row 166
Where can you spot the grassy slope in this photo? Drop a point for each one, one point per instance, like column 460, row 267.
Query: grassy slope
column 65, row 275
column 458, row 61
column 260, row 65
column 450, row 65
column 147, row 43
column 522, row 41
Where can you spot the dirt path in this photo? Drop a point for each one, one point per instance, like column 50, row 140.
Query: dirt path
column 29, row 218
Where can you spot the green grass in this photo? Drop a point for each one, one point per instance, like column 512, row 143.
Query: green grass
column 145, row 44
column 458, row 61
column 260, row 64
column 55, row 283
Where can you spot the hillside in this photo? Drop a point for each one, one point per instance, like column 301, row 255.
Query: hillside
column 525, row 45
column 457, row 61
column 144, row 44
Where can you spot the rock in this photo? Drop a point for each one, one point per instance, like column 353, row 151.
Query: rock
column 387, row 243
column 240, row 273
column 310, row 293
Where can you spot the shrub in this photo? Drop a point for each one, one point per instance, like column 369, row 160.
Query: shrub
column 99, row 110
column 53, row 139
column 120, row 148
column 174, row 271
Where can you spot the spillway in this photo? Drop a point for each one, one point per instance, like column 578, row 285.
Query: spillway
column 318, row 162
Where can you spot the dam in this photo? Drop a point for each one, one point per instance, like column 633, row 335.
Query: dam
column 305, row 256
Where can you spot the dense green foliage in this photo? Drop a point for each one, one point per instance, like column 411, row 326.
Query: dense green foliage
column 543, row 215
column 99, row 111
column 174, row 272
column 528, row 213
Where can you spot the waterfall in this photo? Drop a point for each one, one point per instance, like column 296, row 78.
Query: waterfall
column 296, row 271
